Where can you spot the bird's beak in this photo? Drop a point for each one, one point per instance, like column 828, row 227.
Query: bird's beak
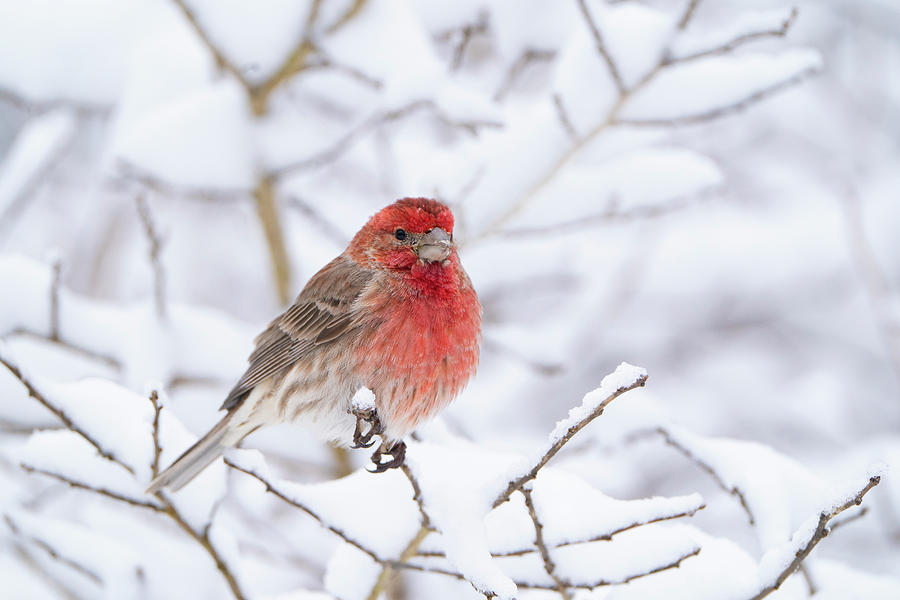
column 434, row 245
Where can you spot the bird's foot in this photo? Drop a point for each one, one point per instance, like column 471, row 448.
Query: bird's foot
column 365, row 440
column 397, row 452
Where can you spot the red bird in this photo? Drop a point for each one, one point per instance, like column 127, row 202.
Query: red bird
column 395, row 313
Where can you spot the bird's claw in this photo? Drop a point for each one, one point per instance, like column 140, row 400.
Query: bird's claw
column 397, row 452
column 365, row 440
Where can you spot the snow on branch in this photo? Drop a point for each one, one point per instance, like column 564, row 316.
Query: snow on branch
column 779, row 563
column 625, row 378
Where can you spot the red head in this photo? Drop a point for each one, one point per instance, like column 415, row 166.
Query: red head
column 408, row 232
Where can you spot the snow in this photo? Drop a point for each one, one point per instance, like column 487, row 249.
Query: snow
column 363, row 400
column 37, row 145
column 624, row 376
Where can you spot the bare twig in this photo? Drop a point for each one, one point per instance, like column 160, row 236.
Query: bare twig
column 157, row 449
column 601, row 48
column 52, row 552
column 309, row 211
column 375, row 121
column 267, row 210
column 734, row 490
column 549, row 565
column 348, row 16
column 722, row 111
column 517, row 483
column 108, row 360
column 541, row 368
column 90, row 488
column 35, row 393
column 128, row 173
column 55, row 283
column 817, row 536
column 563, row 115
column 740, row 40
column 155, row 248
column 688, row 14
column 34, row 106
column 466, row 33
column 528, row 57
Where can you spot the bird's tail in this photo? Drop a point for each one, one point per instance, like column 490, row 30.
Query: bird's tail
column 199, row 456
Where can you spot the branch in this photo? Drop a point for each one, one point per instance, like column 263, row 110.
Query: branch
column 734, row 491
column 345, row 143
column 90, row 488
column 563, row 115
column 155, row 248
column 817, row 536
column 688, row 14
column 729, row 46
column 549, row 566
column 128, row 173
column 157, row 449
column 53, row 552
column 529, row 56
column 221, row 60
column 60, row 414
column 465, row 33
column 34, row 106
column 722, row 111
column 55, row 284
column 557, row 445
column 601, row 48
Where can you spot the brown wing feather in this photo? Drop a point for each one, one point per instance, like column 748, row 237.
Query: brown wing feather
column 324, row 310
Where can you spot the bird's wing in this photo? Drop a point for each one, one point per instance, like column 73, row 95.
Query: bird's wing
column 324, row 310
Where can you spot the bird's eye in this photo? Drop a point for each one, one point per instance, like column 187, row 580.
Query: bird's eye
column 400, row 234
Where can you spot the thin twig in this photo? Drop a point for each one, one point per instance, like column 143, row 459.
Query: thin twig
column 602, row 49
column 222, row 61
column 529, row 56
column 517, row 483
column 309, row 211
column 733, row 490
column 53, row 552
column 688, row 14
column 90, row 488
column 60, row 413
column 466, row 33
column 817, row 536
column 564, row 119
column 155, row 249
column 721, row 111
column 157, row 449
column 348, row 140
column 55, row 283
column 549, row 565
column 740, row 40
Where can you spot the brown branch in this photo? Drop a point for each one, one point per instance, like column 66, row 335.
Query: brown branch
column 348, row 140
column 817, row 536
column 348, row 16
column 466, row 33
column 605, row 537
column 52, row 552
column 60, row 414
column 155, row 248
column 722, row 111
column 733, row 490
column 601, row 48
column 268, row 212
column 55, row 283
column 740, row 40
column 222, row 61
column 90, row 488
column 322, row 62
column 549, row 565
column 688, row 14
column 529, row 56
column 157, row 449
column 277, row 493
column 516, row 484
column 563, row 116
column 332, row 231
column 86, row 352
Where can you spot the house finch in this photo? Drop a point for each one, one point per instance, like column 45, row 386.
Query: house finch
column 395, row 313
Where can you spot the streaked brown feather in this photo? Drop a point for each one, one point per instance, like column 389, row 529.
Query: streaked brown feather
column 324, row 311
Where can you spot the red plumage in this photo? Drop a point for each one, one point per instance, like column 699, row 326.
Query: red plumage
column 395, row 313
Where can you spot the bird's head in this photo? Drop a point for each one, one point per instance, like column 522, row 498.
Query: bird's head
column 408, row 232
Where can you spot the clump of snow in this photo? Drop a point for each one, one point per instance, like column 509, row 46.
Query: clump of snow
column 363, row 400
column 624, row 376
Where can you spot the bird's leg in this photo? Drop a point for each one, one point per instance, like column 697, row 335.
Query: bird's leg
column 396, row 450
column 364, row 440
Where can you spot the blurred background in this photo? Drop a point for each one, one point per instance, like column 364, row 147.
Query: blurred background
column 714, row 197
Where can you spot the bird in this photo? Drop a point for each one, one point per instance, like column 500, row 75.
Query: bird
column 395, row 312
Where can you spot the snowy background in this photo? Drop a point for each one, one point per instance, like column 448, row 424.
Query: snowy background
column 707, row 189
